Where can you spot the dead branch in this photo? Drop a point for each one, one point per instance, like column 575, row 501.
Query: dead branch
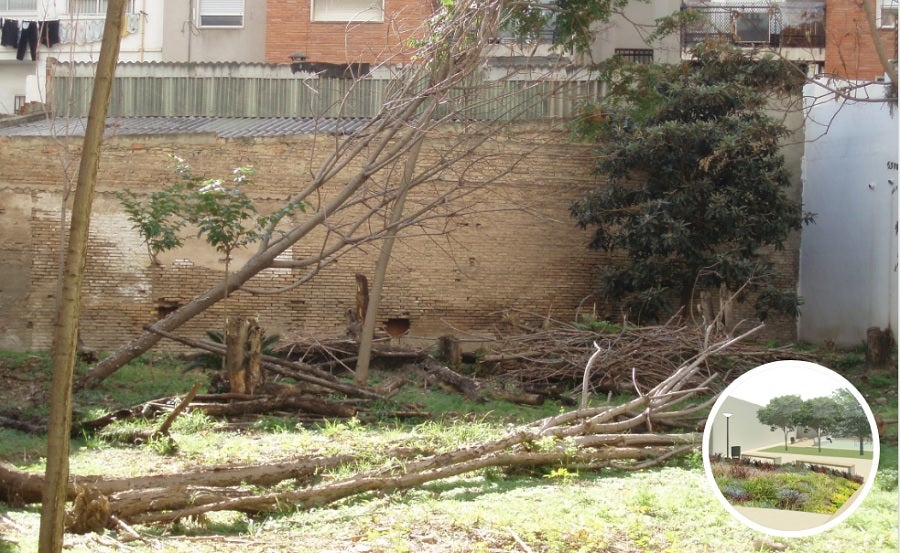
column 594, row 361
column 607, row 436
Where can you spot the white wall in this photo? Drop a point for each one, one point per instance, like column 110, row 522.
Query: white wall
column 142, row 42
column 743, row 428
column 848, row 258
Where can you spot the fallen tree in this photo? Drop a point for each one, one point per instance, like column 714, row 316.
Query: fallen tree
column 621, row 436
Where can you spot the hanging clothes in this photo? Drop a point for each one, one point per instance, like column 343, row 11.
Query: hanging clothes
column 28, row 39
column 49, row 31
column 9, row 33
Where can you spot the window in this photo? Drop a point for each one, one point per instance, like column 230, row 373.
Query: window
column 347, row 10
column 18, row 5
column 94, row 7
column 887, row 14
column 636, row 55
column 221, row 13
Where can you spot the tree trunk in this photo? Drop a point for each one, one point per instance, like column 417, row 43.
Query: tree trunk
column 362, row 298
column 236, row 354
column 66, row 332
column 374, row 300
column 879, row 346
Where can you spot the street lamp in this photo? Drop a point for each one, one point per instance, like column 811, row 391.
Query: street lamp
column 727, row 434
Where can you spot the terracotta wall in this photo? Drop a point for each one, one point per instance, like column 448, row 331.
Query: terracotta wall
column 510, row 247
column 849, row 45
column 290, row 29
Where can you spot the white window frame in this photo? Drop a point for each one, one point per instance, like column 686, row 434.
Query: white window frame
column 344, row 11
column 886, row 14
column 232, row 10
column 94, row 7
column 17, row 6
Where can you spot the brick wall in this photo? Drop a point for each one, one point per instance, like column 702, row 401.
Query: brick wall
column 849, row 46
column 511, row 246
column 289, row 29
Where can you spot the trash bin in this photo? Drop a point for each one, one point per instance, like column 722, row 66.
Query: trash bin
column 735, row 452
column 792, row 440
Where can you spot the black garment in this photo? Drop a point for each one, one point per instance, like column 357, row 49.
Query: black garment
column 49, row 31
column 28, row 38
column 9, row 34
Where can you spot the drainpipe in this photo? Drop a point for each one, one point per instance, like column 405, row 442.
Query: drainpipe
column 143, row 20
column 190, row 25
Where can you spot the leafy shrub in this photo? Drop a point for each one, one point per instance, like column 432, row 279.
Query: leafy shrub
column 791, row 499
column 736, row 494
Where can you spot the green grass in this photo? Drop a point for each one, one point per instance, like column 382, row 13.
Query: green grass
column 844, row 453
column 668, row 509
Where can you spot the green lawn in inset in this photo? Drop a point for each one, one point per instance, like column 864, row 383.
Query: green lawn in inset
column 848, row 453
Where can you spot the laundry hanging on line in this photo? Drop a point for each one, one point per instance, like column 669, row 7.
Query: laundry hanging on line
column 25, row 35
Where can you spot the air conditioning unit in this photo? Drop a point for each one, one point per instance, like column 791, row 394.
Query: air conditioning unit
column 750, row 27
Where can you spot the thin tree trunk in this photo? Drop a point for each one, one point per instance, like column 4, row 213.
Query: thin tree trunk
column 367, row 335
column 66, row 333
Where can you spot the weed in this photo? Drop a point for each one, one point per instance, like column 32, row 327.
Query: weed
column 886, row 479
column 162, row 445
column 562, row 473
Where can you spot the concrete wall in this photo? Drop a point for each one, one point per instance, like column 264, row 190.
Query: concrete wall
column 631, row 29
column 184, row 41
column 743, row 428
column 848, row 258
column 81, row 36
column 518, row 249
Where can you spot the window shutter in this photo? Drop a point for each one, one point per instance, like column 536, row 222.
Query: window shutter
column 221, row 13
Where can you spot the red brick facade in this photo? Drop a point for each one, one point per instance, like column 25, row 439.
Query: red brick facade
column 290, row 29
column 849, row 47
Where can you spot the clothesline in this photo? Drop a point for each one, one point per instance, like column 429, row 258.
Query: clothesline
column 24, row 35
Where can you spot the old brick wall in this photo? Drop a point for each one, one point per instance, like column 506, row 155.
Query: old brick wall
column 511, row 246
column 289, row 29
column 849, row 46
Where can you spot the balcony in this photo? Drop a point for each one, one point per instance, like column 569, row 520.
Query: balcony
column 798, row 26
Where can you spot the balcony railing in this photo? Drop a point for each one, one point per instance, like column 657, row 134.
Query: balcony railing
column 775, row 25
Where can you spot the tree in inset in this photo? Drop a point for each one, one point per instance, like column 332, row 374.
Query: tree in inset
column 782, row 412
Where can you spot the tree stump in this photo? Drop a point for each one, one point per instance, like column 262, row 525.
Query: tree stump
column 450, row 351
column 879, row 346
column 243, row 342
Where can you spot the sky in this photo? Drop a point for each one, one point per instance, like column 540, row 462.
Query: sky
column 782, row 378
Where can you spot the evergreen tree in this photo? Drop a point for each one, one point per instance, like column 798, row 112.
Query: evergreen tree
column 696, row 183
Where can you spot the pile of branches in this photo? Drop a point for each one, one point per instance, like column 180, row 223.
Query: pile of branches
column 622, row 436
column 627, row 359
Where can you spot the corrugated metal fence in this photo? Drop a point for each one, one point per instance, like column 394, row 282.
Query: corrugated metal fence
column 260, row 90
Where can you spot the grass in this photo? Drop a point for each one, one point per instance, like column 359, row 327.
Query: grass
column 668, row 509
column 826, row 452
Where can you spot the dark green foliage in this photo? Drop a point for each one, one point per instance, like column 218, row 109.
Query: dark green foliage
column 852, row 419
column 212, row 361
column 696, row 183
column 782, row 412
column 569, row 20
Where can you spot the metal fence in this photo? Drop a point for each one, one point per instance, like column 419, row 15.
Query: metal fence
column 794, row 24
column 258, row 90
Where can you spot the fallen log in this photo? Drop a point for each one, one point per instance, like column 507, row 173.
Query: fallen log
column 591, row 437
column 307, row 404
column 298, row 371
column 467, row 386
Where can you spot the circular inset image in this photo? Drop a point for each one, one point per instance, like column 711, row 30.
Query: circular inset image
column 791, row 448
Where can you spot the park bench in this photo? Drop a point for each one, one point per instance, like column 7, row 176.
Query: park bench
column 776, row 460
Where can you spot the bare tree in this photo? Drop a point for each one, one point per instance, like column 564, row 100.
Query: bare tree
column 439, row 88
